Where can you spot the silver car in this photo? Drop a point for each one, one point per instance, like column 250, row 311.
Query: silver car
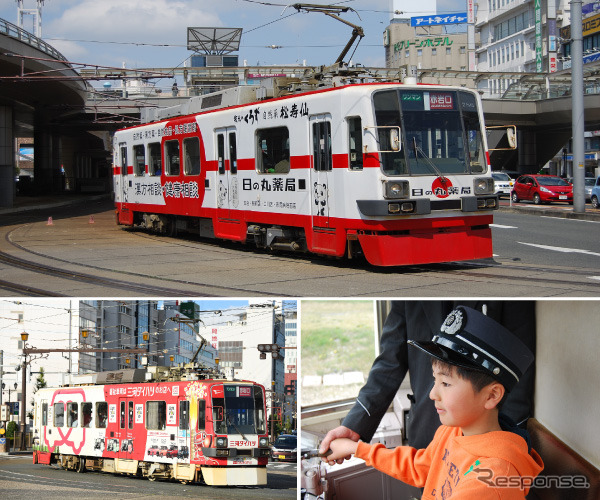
column 503, row 184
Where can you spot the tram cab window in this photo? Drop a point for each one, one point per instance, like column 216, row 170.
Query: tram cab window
column 86, row 414
column 355, row 147
column 201, row 415
column 172, row 158
column 154, row 158
column 139, row 160
column 59, row 414
column 259, row 412
column 101, row 414
column 191, row 156
column 273, row 150
column 72, row 415
column 156, row 415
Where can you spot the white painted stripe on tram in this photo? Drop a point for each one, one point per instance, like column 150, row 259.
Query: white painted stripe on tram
column 561, row 249
column 500, row 226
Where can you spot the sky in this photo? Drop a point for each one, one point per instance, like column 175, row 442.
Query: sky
column 153, row 33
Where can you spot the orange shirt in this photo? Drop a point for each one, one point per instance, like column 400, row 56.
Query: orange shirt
column 494, row 465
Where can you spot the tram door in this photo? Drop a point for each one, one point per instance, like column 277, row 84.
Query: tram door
column 126, row 420
column 123, row 178
column 322, row 166
column 227, row 188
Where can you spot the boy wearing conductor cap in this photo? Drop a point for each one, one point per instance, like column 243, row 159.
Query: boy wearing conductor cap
column 476, row 452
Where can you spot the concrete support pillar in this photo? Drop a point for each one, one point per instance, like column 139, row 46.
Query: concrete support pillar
column 7, row 157
column 46, row 166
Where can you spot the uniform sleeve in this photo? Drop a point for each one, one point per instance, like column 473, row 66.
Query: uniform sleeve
column 385, row 377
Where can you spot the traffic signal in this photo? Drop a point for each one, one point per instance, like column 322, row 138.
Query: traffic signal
column 272, row 348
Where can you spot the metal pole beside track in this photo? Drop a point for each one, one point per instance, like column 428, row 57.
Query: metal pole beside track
column 577, row 108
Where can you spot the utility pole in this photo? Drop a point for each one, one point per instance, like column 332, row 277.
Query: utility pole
column 577, row 107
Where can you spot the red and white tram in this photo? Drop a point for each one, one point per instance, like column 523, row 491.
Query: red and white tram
column 201, row 430
column 397, row 172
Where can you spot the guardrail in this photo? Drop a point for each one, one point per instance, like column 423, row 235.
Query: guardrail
column 24, row 36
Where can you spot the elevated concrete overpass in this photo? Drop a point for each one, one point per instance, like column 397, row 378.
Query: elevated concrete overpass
column 38, row 90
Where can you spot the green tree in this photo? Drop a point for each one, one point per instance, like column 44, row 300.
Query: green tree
column 40, row 383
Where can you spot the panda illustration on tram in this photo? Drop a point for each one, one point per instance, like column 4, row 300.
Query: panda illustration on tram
column 397, row 173
column 212, row 431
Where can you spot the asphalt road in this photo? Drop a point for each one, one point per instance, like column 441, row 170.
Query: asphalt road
column 84, row 254
column 22, row 480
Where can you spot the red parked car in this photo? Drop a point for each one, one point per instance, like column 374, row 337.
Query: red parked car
column 542, row 189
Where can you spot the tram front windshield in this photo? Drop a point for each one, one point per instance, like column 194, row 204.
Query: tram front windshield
column 440, row 132
column 238, row 409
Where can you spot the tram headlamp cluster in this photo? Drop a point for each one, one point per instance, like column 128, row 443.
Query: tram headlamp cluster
column 487, row 203
column 406, row 207
column 483, row 185
column 263, row 442
column 221, row 442
column 396, row 189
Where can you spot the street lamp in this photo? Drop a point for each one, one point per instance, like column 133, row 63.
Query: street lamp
column 24, row 337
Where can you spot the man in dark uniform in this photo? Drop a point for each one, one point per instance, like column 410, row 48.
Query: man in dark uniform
column 420, row 321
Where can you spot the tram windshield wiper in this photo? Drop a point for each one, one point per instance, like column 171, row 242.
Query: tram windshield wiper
column 418, row 150
column 230, row 421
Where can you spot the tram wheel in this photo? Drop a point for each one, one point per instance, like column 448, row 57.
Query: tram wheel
column 81, row 465
column 151, row 477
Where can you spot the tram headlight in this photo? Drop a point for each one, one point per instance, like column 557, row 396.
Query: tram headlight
column 221, row 442
column 396, row 189
column 263, row 442
column 483, row 185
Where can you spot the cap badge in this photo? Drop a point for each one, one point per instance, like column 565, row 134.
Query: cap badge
column 453, row 323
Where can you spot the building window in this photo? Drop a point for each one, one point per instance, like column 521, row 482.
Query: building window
column 463, row 50
column 419, row 52
column 407, row 54
column 448, row 51
column 433, row 52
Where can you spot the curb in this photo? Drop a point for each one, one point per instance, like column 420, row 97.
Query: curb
column 552, row 212
column 57, row 204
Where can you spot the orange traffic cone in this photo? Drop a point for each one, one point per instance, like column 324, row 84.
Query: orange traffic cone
column 91, row 221
column 49, row 223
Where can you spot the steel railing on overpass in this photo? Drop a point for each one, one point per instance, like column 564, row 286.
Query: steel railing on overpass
column 24, row 36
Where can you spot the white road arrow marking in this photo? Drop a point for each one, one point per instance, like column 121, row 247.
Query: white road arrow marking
column 500, row 226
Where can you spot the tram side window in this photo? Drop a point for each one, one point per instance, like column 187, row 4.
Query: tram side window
column 139, row 160
column 44, row 413
column 59, row 414
column 355, row 147
column 154, row 158
column 218, row 415
column 156, row 415
column 122, row 415
column 233, row 152
column 101, row 414
column 259, row 410
column 123, row 160
column 191, row 156
column 273, row 150
column 468, row 106
column 322, row 146
column 172, row 157
column 221, row 152
column 184, row 415
column 130, row 414
column 72, row 415
column 201, row 415
column 86, row 414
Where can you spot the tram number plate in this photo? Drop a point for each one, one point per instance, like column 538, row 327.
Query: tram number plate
column 562, row 197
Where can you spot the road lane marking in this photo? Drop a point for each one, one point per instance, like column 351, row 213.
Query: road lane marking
column 577, row 220
column 560, row 249
column 500, row 226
